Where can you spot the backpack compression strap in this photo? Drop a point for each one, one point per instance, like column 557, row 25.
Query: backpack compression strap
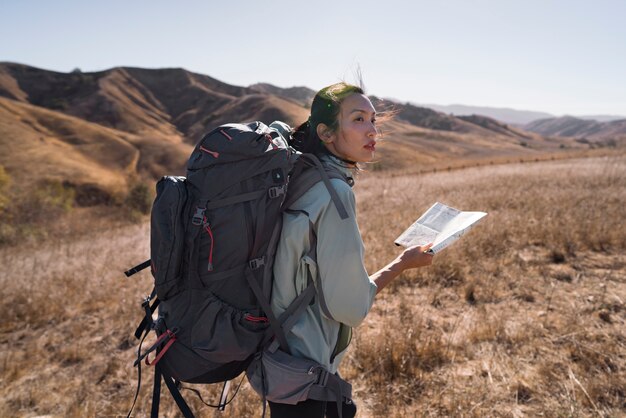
column 137, row 268
column 172, row 386
column 304, row 179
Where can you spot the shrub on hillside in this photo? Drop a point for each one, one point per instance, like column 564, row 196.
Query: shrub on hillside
column 139, row 198
column 52, row 194
column 24, row 213
column 5, row 180
column 89, row 194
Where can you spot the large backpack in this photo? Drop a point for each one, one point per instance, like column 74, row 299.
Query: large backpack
column 214, row 234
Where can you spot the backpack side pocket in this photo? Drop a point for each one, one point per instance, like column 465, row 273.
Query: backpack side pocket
column 167, row 235
column 281, row 377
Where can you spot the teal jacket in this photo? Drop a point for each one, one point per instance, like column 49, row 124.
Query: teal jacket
column 346, row 288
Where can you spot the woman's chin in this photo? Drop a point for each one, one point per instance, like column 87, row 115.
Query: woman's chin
column 367, row 158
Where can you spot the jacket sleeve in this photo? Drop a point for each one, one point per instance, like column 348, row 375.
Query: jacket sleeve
column 348, row 292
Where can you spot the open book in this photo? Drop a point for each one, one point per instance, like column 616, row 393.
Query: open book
column 441, row 225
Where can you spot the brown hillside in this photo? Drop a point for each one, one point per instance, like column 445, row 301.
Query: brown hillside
column 406, row 146
column 41, row 144
column 301, row 95
column 568, row 126
column 188, row 98
column 167, row 103
column 495, row 126
column 160, row 112
column 254, row 107
column 430, row 119
column 111, row 98
column 125, row 104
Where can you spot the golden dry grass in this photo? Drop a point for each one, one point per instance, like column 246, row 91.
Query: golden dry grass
column 522, row 317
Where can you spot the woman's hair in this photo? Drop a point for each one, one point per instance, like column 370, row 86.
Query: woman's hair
column 324, row 109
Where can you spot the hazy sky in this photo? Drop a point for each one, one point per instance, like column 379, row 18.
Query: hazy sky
column 561, row 56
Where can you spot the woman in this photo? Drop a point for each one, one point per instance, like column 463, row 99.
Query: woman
column 342, row 132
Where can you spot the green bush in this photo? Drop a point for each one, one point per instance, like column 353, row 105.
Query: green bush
column 5, row 180
column 52, row 194
column 7, row 231
column 139, row 198
column 24, row 213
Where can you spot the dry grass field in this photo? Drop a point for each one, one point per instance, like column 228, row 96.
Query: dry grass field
column 525, row 316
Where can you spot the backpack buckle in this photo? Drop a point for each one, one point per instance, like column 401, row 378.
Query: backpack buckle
column 277, row 191
column 256, row 263
column 322, row 378
column 198, row 217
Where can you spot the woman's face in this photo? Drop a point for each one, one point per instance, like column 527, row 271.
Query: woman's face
column 355, row 137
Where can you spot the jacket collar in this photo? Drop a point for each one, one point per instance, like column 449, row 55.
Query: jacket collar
column 348, row 170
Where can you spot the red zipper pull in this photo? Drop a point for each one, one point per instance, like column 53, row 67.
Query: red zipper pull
column 207, row 228
column 252, row 318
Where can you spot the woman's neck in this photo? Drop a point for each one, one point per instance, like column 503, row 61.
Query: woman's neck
column 342, row 161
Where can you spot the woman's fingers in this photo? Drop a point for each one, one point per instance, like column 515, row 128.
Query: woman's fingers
column 417, row 256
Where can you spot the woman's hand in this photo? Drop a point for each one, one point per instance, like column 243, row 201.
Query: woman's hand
column 410, row 258
column 416, row 256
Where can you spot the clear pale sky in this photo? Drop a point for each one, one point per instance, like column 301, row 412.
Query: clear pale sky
column 560, row 56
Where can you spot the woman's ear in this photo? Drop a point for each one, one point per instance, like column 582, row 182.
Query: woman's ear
column 325, row 133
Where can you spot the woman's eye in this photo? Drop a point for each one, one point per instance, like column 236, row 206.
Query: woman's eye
column 359, row 119
column 374, row 121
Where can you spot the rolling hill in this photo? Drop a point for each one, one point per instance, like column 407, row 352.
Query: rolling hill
column 590, row 130
column 505, row 115
column 101, row 129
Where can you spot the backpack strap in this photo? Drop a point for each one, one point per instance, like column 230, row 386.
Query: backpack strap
column 331, row 387
column 267, row 309
column 172, row 386
column 304, row 179
column 138, row 268
column 235, row 199
column 146, row 322
column 313, row 255
column 156, row 393
column 289, row 317
column 138, row 363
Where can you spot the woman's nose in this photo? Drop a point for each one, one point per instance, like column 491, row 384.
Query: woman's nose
column 372, row 131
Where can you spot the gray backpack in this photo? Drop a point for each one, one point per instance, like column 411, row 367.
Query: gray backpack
column 214, row 234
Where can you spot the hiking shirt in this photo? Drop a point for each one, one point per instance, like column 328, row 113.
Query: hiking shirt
column 347, row 292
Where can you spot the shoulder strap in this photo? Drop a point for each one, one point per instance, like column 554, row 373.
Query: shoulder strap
column 308, row 172
column 289, row 317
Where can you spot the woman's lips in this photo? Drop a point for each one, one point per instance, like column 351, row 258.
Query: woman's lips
column 371, row 146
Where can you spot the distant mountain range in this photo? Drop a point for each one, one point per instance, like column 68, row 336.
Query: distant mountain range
column 100, row 130
column 503, row 120
column 511, row 116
